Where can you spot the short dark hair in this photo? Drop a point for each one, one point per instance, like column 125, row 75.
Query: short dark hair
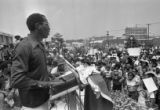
column 17, row 37
column 33, row 19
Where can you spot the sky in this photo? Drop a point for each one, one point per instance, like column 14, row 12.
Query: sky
column 75, row 19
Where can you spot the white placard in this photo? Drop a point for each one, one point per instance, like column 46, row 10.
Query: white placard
column 92, row 51
column 150, row 85
column 134, row 51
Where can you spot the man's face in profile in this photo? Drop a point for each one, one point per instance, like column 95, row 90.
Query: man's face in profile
column 44, row 28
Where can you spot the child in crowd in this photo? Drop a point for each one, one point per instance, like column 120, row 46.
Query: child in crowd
column 117, row 80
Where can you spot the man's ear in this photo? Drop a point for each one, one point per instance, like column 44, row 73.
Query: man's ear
column 37, row 26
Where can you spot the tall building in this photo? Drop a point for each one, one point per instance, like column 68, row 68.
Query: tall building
column 140, row 33
column 5, row 38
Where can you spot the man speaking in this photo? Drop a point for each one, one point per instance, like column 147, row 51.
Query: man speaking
column 29, row 67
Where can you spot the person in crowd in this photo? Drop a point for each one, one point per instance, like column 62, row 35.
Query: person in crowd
column 158, row 85
column 132, row 84
column 151, row 74
column 106, row 73
column 158, row 62
column 143, row 98
column 117, row 81
column 1, row 53
column 29, row 70
column 17, row 37
column 6, row 52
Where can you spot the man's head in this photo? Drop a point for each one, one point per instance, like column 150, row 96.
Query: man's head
column 38, row 23
column 17, row 37
column 131, row 75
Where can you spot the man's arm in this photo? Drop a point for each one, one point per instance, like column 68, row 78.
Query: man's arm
column 20, row 68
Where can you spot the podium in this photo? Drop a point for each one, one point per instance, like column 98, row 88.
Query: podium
column 70, row 84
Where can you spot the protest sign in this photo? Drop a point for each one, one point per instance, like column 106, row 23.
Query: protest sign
column 134, row 51
column 150, row 84
column 92, row 51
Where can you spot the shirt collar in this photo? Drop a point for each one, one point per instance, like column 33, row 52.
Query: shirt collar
column 34, row 43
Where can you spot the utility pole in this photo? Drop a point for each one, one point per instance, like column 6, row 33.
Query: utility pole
column 107, row 38
column 148, row 42
column 148, row 30
column 93, row 44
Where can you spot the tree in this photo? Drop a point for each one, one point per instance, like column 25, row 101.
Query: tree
column 59, row 41
column 79, row 50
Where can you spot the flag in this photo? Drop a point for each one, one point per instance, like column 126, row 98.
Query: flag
column 91, row 102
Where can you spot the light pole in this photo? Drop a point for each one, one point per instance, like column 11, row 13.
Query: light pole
column 125, row 42
column 93, row 44
column 148, row 30
column 131, row 38
column 107, row 38
column 148, row 42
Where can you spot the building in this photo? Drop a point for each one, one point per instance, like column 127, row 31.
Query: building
column 5, row 38
column 77, row 44
column 140, row 33
column 70, row 44
column 109, row 37
column 99, row 40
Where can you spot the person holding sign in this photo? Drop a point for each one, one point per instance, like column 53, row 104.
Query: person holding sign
column 149, row 88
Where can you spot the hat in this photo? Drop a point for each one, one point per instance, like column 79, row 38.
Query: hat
column 144, row 61
column 60, row 61
column 154, row 57
column 80, row 58
column 151, row 73
column 1, row 46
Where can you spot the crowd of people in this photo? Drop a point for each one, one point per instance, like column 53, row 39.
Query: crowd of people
column 125, row 73
column 24, row 67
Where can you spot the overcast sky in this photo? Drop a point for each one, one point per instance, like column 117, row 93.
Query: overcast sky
column 81, row 18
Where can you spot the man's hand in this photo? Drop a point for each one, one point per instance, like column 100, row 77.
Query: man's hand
column 43, row 84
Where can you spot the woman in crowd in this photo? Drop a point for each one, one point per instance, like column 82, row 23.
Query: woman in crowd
column 132, row 84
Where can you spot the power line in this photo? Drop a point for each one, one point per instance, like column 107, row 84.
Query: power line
column 148, row 27
column 155, row 22
column 158, row 22
column 118, row 29
column 136, row 25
